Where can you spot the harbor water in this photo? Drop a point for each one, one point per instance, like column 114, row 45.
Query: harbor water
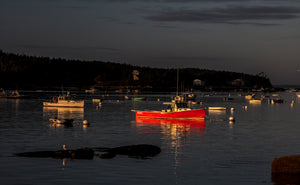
column 211, row 151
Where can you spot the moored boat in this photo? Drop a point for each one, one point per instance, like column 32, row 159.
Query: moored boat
column 92, row 90
column 249, row 96
column 139, row 99
column 276, row 99
column 254, row 101
column 216, row 108
column 2, row 93
column 188, row 96
column 15, row 95
column 175, row 110
column 61, row 101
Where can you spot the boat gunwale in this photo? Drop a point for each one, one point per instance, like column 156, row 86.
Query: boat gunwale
column 172, row 118
column 169, row 112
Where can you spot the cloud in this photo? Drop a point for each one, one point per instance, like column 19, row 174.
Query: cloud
column 229, row 14
column 172, row 1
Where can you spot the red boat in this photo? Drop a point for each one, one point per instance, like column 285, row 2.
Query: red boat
column 175, row 110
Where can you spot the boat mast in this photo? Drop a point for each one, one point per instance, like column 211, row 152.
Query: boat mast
column 177, row 81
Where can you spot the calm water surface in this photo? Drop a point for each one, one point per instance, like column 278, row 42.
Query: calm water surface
column 212, row 151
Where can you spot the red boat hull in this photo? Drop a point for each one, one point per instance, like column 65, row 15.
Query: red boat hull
column 188, row 114
column 191, row 122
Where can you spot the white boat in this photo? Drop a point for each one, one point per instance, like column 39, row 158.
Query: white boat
column 92, row 90
column 96, row 100
column 249, row 96
column 216, row 108
column 255, row 101
column 61, row 101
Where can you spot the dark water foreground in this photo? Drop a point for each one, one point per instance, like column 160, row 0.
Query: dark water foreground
column 212, row 151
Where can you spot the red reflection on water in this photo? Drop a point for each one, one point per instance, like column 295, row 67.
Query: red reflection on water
column 192, row 126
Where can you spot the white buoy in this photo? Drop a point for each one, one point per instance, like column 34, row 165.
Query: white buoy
column 231, row 119
column 232, row 109
column 85, row 122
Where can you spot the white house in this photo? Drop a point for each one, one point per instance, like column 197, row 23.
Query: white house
column 238, row 82
column 198, row 82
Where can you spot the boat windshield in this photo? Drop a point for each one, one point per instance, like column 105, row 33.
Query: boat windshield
column 181, row 105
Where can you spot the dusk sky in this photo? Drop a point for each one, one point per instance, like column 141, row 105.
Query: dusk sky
column 249, row 36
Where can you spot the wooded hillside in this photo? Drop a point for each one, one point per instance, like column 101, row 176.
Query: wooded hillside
column 30, row 72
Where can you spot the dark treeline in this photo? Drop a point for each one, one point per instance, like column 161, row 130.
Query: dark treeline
column 30, row 72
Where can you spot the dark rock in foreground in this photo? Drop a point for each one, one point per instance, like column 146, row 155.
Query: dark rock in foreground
column 138, row 151
column 283, row 178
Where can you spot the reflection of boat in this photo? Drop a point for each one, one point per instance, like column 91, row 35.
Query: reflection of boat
column 64, row 113
column 61, row 101
column 175, row 110
column 173, row 127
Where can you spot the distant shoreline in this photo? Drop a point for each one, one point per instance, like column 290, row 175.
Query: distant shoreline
column 30, row 72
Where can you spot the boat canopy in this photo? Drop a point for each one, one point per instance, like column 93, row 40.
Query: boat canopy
column 176, row 106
